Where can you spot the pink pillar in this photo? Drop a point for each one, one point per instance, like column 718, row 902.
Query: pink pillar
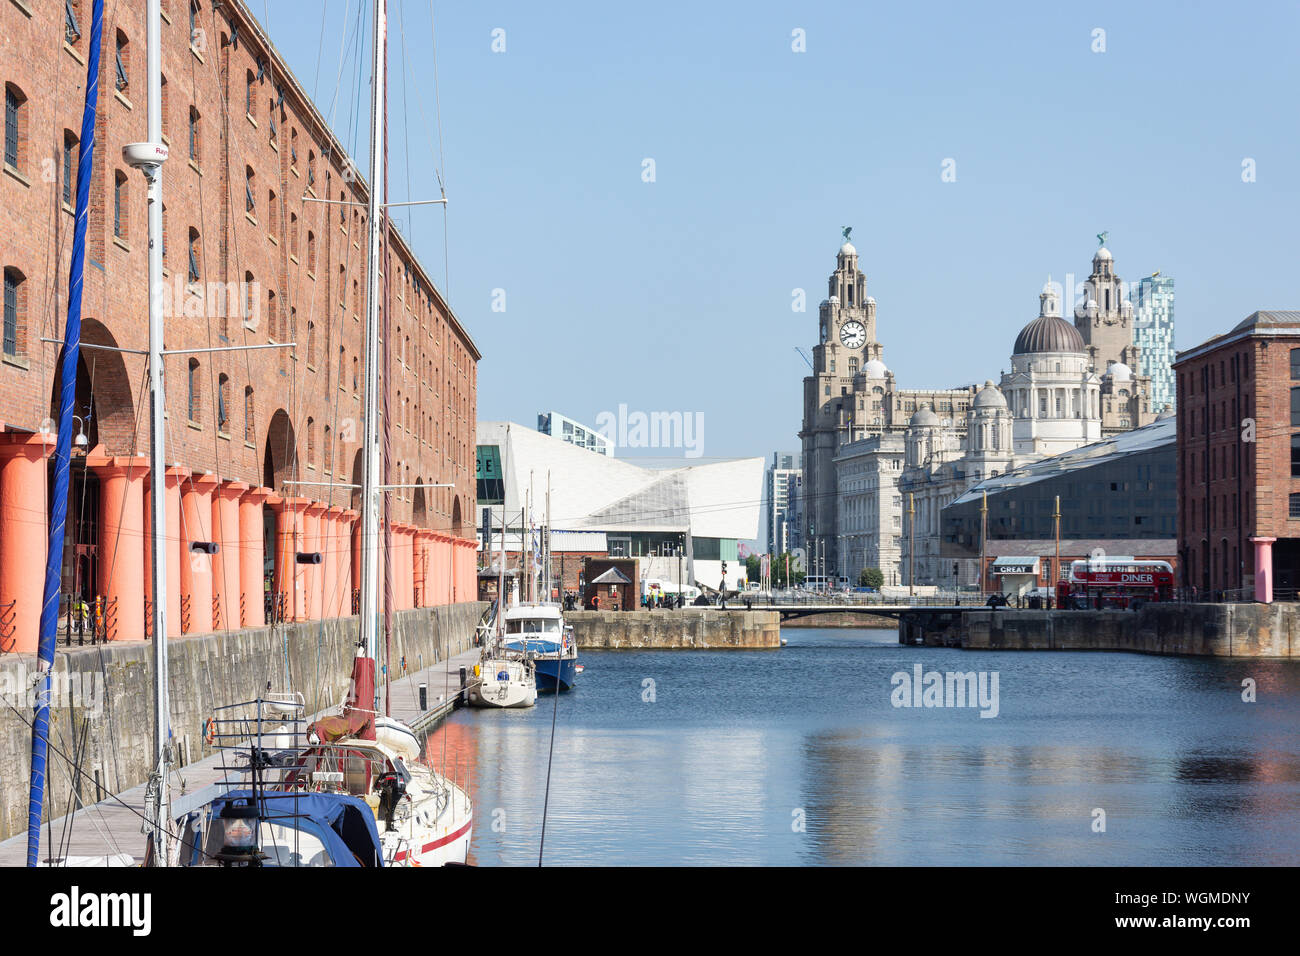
column 313, row 574
column 170, row 545
column 289, row 580
column 225, row 563
column 24, row 535
column 122, row 542
column 397, row 552
column 1263, row 569
column 333, row 551
column 196, row 569
column 354, row 534
column 423, row 579
column 347, row 554
column 252, row 560
column 408, row 555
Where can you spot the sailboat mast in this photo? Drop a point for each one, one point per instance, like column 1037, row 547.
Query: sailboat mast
column 370, row 469
column 157, row 441
column 501, row 574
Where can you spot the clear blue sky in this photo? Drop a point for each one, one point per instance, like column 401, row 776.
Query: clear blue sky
column 676, row 295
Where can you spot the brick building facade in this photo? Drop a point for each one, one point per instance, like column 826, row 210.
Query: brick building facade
column 1239, row 458
column 249, row 259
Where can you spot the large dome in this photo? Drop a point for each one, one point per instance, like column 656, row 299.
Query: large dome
column 1049, row 333
column 874, row 369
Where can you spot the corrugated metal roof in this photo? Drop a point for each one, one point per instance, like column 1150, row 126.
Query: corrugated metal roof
column 1146, row 438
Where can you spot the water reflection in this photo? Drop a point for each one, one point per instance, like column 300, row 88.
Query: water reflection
column 798, row 756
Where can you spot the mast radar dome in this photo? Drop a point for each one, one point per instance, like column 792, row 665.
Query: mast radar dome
column 143, row 155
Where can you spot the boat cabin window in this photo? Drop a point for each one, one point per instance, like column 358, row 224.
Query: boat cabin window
column 533, row 625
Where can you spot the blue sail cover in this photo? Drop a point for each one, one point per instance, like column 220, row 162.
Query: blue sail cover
column 344, row 824
column 63, row 443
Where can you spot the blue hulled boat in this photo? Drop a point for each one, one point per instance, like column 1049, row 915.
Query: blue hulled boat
column 537, row 631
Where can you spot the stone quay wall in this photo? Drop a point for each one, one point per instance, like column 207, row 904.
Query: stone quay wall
column 102, row 709
column 688, row 629
column 1205, row 630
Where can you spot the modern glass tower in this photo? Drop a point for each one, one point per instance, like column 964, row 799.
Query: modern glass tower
column 1153, row 333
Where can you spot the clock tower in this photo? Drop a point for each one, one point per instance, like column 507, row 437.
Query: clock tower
column 846, row 342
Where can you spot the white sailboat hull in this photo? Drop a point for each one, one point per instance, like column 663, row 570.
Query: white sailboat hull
column 503, row 684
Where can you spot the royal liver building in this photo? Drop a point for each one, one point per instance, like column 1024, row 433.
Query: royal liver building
column 881, row 462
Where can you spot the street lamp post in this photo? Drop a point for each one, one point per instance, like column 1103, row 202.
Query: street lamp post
column 911, row 545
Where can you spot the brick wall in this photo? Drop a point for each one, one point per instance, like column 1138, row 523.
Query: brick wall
column 432, row 361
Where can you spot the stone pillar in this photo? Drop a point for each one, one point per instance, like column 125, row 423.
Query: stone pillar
column 313, row 576
column 24, row 537
column 1263, row 569
column 122, row 543
column 226, row 580
column 196, row 570
column 288, row 579
column 170, row 546
column 252, row 560
column 335, row 554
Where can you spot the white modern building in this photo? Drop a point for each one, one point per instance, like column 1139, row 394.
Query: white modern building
column 689, row 517
column 1153, row 332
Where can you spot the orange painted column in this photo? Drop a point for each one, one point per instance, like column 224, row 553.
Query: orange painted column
column 396, row 555
column 24, row 536
column 355, row 534
column 252, row 560
column 347, row 555
column 331, row 552
column 313, row 575
column 422, row 579
column 122, row 543
column 225, row 563
column 171, row 546
column 196, row 569
column 412, row 559
column 288, row 538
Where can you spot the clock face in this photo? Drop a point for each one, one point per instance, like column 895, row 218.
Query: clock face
column 853, row 334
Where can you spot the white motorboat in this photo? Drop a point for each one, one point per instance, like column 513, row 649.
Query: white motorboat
column 503, row 682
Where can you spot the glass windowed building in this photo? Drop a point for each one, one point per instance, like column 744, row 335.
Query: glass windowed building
column 575, row 433
column 1153, row 333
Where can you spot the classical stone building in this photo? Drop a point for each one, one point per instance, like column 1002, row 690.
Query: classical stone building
column 881, row 462
column 851, row 396
column 1104, row 318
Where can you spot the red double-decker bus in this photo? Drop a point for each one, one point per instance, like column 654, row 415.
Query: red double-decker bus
column 1115, row 583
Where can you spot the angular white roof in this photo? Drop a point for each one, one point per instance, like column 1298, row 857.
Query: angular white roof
column 591, row 492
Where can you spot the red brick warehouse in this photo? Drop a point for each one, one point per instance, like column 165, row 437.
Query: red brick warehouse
column 247, row 260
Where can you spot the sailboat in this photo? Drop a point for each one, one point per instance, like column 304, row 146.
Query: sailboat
column 535, row 630
column 358, row 793
column 502, row 680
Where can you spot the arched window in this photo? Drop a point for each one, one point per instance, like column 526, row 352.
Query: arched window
column 250, row 107
column 120, row 207
column 248, row 414
column 71, row 153
column 311, row 442
column 123, row 64
column 196, row 138
column 311, row 343
column 195, row 408
column 311, row 251
column 329, row 452
column 223, row 402
column 194, row 255
column 272, row 317
column 250, row 201
column 15, row 320
column 293, row 234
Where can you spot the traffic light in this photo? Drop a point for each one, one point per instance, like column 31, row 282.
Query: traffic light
column 724, row 568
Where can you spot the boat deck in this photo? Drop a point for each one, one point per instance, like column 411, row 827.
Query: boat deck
column 113, row 826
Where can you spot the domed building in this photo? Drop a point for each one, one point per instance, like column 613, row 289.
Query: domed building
column 1052, row 392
